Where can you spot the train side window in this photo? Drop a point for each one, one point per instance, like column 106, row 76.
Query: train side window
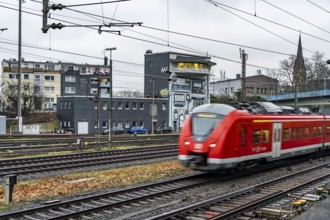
column 320, row 131
column 328, row 130
column 306, row 132
column 256, row 134
column 244, row 137
column 285, row 134
column 293, row 134
column 300, row 133
column 266, row 136
column 314, row 132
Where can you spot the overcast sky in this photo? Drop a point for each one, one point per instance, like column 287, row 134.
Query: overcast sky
column 268, row 31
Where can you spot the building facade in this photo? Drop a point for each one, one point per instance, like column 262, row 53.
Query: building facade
column 40, row 84
column 182, row 78
column 174, row 83
column 257, row 85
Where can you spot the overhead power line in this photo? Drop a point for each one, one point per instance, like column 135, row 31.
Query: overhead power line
column 218, row 4
column 296, row 16
column 166, row 45
column 318, row 6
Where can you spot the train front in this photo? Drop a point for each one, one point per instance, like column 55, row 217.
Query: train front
column 202, row 137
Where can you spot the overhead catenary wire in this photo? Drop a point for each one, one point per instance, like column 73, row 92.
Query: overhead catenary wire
column 182, row 34
column 199, row 52
column 318, row 6
column 165, row 45
column 295, row 16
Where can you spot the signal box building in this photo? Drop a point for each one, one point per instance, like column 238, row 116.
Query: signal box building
column 182, row 78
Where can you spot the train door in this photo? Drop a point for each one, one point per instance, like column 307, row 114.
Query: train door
column 276, row 143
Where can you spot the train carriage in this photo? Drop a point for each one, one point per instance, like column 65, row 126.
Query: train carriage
column 217, row 136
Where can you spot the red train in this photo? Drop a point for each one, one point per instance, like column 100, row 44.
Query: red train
column 217, row 136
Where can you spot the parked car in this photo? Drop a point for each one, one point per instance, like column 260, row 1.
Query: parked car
column 163, row 130
column 137, row 130
column 115, row 130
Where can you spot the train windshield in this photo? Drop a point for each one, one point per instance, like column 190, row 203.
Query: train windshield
column 204, row 123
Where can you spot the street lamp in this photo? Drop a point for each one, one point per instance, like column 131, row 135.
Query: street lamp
column 110, row 93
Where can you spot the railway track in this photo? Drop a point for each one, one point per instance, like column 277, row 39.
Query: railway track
column 52, row 163
column 135, row 200
column 28, row 140
column 110, row 203
column 258, row 201
column 55, row 146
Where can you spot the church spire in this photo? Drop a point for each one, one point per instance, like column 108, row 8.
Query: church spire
column 299, row 69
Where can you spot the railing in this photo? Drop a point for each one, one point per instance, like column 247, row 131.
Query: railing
column 307, row 94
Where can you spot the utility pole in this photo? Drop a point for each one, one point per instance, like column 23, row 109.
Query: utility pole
column 244, row 58
column 98, row 113
column 19, row 84
column 110, row 94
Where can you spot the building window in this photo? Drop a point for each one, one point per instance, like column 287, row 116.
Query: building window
column 120, row 124
column 127, row 105
column 127, row 124
column 70, row 79
column 93, row 91
column 49, row 100
column 113, row 105
column 120, row 105
column 49, row 89
column 141, row 106
column 134, row 123
column 26, row 76
column 37, row 89
column 49, row 78
column 93, row 80
column 104, row 124
column 13, row 76
column 37, row 66
column 51, row 67
column 69, row 105
column 69, row 124
column 134, row 106
column 141, row 123
column 164, row 106
column 70, row 90
column 104, row 105
column 37, row 78
column 61, row 105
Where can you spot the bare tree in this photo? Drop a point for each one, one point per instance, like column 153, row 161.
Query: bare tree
column 30, row 95
column 317, row 73
column 286, row 72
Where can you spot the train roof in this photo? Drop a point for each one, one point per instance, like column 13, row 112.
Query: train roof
column 268, row 108
column 221, row 109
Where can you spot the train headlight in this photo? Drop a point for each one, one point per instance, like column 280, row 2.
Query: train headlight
column 213, row 145
column 187, row 143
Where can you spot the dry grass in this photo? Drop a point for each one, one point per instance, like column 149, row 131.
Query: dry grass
column 72, row 184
